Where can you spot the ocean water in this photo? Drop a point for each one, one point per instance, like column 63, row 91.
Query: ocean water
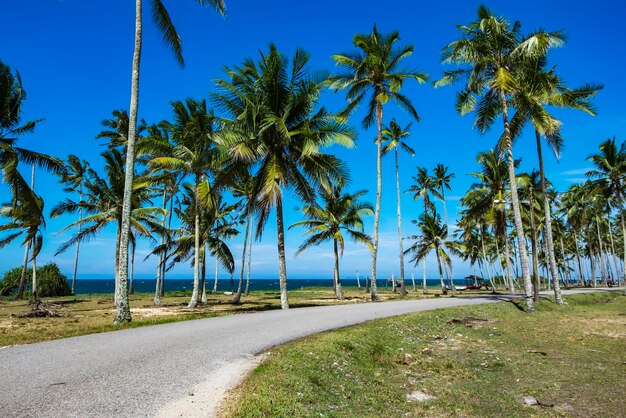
column 226, row 285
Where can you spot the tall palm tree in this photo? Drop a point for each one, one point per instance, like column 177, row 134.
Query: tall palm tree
column 338, row 211
column 434, row 236
column 488, row 200
column 277, row 130
column 531, row 194
column 609, row 174
column 442, row 180
column 424, row 185
column 493, row 56
column 172, row 41
column 375, row 69
column 191, row 151
column 395, row 137
column 75, row 175
column 541, row 88
column 243, row 188
column 102, row 203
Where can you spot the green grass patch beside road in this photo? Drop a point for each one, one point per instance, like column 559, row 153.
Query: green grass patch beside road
column 473, row 361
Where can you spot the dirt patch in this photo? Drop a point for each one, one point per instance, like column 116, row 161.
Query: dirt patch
column 153, row 312
column 471, row 322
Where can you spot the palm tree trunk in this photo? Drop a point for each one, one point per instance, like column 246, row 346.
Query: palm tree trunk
column 282, row 265
column 581, row 277
column 131, row 270
column 413, row 280
column 169, row 227
column 358, row 282
column 548, row 220
column 157, row 290
column 379, row 191
column 613, row 254
column 403, row 291
column 338, row 290
column 196, row 262
column 601, row 255
column 533, row 233
column 424, row 286
column 20, row 290
column 249, row 258
column 34, row 295
column 621, row 216
column 203, row 299
column 122, row 307
column 237, row 298
column 444, row 290
column 489, row 276
column 507, row 262
column 217, row 274
column 80, row 218
column 517, row 215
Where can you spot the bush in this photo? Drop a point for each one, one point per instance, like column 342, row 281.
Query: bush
column 50, row 281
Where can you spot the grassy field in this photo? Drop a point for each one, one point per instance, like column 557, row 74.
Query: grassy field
column 473, row 361
column 87, row 314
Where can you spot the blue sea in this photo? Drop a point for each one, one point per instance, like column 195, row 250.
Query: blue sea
column 225, row 285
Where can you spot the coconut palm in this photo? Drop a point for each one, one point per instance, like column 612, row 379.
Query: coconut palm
column 434, row 236
column 424, row 185
column 190, row 151
column 102, row 203
column 339, row 211
column 493, row 55
column 442, row 180
column 27, row 223
column 374, row 69
column 243, row 188
column 277, row 130
column 608, row 176
column 75, row 175
column 173, row 41
column 531, row 193
column 395, row 137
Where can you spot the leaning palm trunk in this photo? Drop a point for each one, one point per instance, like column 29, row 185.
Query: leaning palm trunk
column 613, row 254
column 548, row 219
column 20, row 290
column 282, row 265
column 338, row 290
column 402, row 285
column 237, row 298
column 122, row 307
column 379, row 191
column 517, row 215
column 196, row 262
column 507, row 262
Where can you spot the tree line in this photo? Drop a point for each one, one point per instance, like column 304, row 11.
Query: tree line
column 223, row 164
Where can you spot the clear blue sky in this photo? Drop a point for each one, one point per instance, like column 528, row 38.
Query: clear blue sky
column 75, row 56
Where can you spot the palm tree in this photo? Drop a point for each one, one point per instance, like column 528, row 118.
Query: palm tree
column 531, row 194
column 27, row 222
column 442, row 180
column 424, row 185
column 395, row 136
column 540, row 88
column 75, row 175
column 192, row 151
column 375, row 69
column 276, row 129
column 243, row 188
column 338, row 211
column 172, row 40
column 609, row 174
column 102, row 202
column 487, row 199
column 434, row 236
column 493, row 56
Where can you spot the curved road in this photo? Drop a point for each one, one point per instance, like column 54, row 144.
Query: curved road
column 136, row 372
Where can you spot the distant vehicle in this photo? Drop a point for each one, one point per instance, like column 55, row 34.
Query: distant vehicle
column 473, row 282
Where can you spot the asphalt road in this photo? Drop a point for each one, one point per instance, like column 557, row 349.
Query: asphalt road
column 135, row 372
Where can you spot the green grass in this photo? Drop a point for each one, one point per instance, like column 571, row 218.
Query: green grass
column 572, row 356
column 87, row 314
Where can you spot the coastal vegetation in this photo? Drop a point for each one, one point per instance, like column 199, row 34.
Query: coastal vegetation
column 221, row 166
